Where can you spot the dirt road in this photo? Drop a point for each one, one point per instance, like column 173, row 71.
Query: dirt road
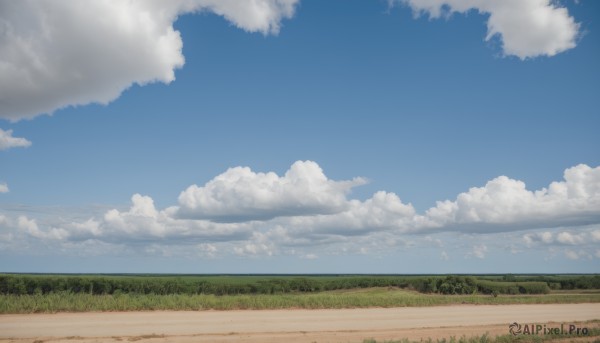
column 337, row 325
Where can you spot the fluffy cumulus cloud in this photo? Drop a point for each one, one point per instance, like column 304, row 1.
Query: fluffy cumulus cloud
column 240, row 194
column 382, row 212
column 142, row 222
column 306, row 214
column 56, row 53
column 578, row 255
column 506, row 204
column 444, row 256
column 571, row 255
column 30, row 227
column 571, row 239
column 479, row 251
column 7, row 141
column 538, row 237
column 584, row 236
column 527, row 28
column 595, row 236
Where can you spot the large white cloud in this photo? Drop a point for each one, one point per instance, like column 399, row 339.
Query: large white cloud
column 3, row 188
column 240, row 194
column 56, row 53
column 506, row 204
column 7, row 141
column 527, row 28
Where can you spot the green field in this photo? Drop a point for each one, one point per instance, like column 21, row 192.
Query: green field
column 55, row 293
column 371, row 297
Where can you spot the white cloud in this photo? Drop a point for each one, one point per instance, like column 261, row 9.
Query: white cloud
column 58, row 53
column 504, row 204
column 142, row 219
column 570, row 239
column 571, row 255
column 382, row 212
column 207, row 250
column 595, row 236
column 253, row 249
column 444, row 256
column 527, row 28
column 143, row 222
column 30, row 227
column 4, row 188
column 479, row 251
column 435, row 241
column 323, row 220
column 309, row 257
column 544, row 237
column 240, row 194
column 584, row 237
column 255, row 16
column 7, row 140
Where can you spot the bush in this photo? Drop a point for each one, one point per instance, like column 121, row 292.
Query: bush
column 502, row 287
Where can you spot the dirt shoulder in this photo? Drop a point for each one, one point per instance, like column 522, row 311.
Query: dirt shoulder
column 336, row 325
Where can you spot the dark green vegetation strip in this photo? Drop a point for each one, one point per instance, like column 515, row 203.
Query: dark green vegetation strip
column 20, row 284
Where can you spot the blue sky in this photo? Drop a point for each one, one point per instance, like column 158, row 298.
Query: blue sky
column 411, row 143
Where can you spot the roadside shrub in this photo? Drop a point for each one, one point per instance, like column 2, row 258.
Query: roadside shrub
column 502, row 287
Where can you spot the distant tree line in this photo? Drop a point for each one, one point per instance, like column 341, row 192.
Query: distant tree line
column 37, row 284
column 20, row 284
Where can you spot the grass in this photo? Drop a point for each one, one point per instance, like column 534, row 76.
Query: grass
column 593, row 336
column 373, row 297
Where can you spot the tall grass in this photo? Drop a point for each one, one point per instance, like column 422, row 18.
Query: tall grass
column 380, row 297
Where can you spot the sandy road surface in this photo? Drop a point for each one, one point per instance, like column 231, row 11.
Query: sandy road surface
column 336, row 325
